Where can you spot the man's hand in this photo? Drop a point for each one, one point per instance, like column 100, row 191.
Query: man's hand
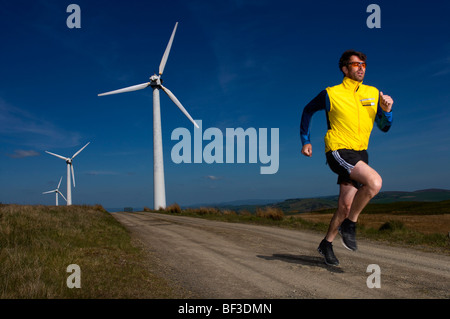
column 386, row 102
column 307, row 150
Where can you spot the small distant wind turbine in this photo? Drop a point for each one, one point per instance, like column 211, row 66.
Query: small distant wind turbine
column 56, row 191
column 69, row 168
column 159, row 192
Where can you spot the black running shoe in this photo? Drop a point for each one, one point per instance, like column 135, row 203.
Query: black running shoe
column 348, row 234
column 326, row 249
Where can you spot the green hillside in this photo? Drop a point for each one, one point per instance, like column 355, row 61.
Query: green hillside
column 405, row 208
column 420, row 199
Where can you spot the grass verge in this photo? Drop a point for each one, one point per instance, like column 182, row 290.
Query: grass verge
column 38, row 243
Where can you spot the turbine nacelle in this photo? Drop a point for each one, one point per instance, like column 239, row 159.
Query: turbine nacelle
column 155, row 80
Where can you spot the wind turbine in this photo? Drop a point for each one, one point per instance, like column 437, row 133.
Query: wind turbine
column 56, row 191
column 69, row 168
column 159, row 191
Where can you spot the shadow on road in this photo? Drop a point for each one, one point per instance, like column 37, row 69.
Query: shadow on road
column 303, row 260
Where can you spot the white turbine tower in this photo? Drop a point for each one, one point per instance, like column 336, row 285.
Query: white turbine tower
column 69, row 169
column 56, row 191
column 159, row 191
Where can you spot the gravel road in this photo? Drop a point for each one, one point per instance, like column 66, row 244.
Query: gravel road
column 213, row 259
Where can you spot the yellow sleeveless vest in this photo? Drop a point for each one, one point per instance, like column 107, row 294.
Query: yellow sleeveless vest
column 353, row 107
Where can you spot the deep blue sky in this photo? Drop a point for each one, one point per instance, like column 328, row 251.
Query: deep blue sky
column 233, row 64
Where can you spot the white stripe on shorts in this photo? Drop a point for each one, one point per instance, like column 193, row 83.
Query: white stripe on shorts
column 341, row 161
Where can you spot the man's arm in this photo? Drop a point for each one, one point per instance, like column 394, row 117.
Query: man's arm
column 316, row 104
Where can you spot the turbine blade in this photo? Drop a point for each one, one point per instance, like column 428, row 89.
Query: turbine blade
column 62, row 195
column 59, row 183
column 73, row 175
column 59, row 156
column 166, row 53
column 178, row 103
column 80, row 150
column 128, row 89
column 49, row 192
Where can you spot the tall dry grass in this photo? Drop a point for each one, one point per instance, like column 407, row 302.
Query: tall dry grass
column 37, row 243
column 174, row 208
column 273, row 213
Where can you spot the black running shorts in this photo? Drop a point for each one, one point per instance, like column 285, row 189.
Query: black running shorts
column 343, row 161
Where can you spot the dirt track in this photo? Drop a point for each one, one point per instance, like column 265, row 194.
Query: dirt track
column 226, row 260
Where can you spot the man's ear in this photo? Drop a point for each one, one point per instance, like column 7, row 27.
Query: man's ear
column 345, row 70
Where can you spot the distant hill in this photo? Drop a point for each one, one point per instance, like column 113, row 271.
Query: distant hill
column 424, row 195
column 302, row 205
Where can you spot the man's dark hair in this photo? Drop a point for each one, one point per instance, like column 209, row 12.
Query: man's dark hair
column 346, row 57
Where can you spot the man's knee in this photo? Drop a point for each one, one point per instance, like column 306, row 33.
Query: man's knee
column 374, row 185
column 368, row 177
column 344, row 208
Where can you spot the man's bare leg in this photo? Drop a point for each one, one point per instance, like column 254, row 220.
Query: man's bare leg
column 346, row 195
column 372, row 183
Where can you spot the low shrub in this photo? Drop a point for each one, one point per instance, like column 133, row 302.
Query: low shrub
column 392, row 225
column 273, row 213
column 174, row 209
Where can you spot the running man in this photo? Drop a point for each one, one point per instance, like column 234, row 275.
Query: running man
column 351, row 109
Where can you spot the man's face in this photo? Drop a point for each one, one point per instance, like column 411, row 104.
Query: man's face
column 356, row 72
